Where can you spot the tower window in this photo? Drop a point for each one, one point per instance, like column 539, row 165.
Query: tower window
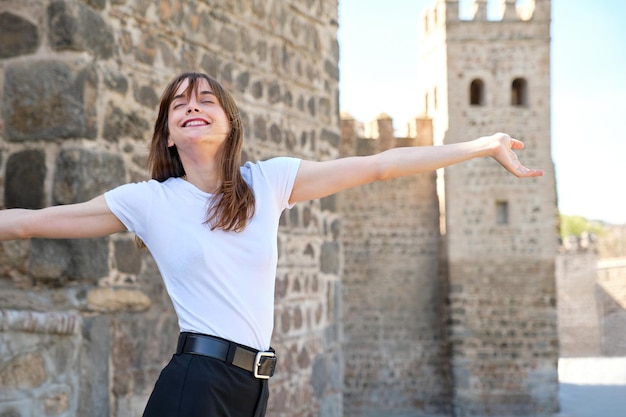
column 502, row 212
column 519, row 92
column 477, row 93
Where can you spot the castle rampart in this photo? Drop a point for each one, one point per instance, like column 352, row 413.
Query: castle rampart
column 395, row 340
column 591, row 300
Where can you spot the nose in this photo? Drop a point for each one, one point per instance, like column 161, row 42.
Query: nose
column 193, row 109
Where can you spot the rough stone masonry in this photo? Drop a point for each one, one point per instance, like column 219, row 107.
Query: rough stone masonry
column 85, row 325
column 367, row 322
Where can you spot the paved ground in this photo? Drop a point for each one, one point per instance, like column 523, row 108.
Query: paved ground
column 592, row 387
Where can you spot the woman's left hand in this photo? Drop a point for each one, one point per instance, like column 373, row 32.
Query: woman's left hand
column 503, row 150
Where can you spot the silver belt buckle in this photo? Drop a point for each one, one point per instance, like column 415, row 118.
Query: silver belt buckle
column 258, row 361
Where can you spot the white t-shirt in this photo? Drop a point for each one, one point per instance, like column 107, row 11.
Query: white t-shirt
column 220, row 283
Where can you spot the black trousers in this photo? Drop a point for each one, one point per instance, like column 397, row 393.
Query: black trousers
column 199, row 386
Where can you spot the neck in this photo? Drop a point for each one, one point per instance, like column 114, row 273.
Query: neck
column 203, row 172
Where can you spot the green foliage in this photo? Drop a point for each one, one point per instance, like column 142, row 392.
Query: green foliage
column 577, row 225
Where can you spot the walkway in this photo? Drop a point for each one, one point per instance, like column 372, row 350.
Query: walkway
column 592, row 387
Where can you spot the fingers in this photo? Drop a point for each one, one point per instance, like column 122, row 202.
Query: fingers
column 523, row 172
column 505, row 139
column 506, row 156
column 516, row 144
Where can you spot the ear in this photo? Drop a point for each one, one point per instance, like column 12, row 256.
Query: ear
column 170, row 142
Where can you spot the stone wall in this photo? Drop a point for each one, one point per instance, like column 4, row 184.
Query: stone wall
column 395, row 352
column 591, row 303
column 579, row 312
column 611, row 293
column 85, row 326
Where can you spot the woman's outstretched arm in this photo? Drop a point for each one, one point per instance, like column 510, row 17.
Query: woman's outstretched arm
column 84, row 220
column 320, row 179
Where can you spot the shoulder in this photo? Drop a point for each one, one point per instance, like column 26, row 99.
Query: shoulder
column 282, row 165
column 143, row 189
column 135, row 187
column 274, row 176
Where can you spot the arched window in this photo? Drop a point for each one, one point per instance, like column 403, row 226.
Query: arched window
column 477, row 93
column 519, row 92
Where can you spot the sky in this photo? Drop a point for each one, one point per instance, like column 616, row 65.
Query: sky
column 378, row 67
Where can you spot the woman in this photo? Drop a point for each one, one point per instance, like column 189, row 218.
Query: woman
column 211, row 226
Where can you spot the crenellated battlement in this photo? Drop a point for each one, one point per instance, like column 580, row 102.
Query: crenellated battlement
column 473, row 11
column 358, row 138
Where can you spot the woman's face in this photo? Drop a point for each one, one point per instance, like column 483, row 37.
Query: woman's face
column 196, row 116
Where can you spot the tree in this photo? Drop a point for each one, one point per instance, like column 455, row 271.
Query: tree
column 578, row 226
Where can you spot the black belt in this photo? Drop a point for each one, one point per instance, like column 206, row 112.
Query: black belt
column 260, row 364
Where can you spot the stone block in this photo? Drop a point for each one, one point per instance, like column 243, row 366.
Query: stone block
column 127, row 257
column 28, row 321
column 332, row 69
column 242, row 81
column 93, row 398
column 119, row 123
column 336, row 373
column 55, row 403
column 147, row 96
column 210, row 64
column 319, row 376
column 82, row 174
column 111, row 300
column 329, row 203
column 116, row 82
column 25, row 371
column 257, row 89
column 227, row 39
column 146, row 49
column 332, row 137
column 48, row 100
column 260, row 128
column 98, row 4
column 77, row 27
column 48, row 261
column 329, row 258
column 54, row 261
column 276, row 134
column 273, row 93
column 24, row 180
column 331, row 405
column 18, row 36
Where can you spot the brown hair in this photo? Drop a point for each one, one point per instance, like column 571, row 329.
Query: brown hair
column 233, row 203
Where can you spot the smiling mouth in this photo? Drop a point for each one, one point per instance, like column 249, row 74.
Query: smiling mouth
column 195, row 122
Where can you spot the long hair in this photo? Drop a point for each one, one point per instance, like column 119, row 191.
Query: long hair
column 233, row 203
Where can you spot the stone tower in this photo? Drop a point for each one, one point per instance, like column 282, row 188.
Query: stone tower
column 480, row 74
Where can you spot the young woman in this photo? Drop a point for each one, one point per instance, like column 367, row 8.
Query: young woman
column 211, row 226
